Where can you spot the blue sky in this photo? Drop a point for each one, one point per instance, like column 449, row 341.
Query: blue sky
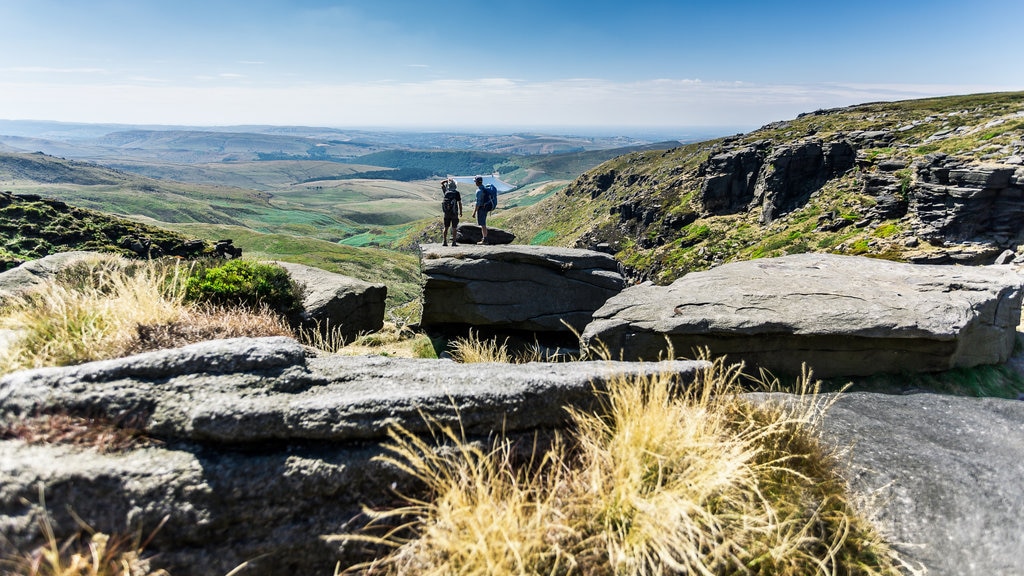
column 459, row 64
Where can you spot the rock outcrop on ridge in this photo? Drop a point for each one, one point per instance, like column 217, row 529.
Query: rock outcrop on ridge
column 262, row 451
column 539, row 289
column 841, row 315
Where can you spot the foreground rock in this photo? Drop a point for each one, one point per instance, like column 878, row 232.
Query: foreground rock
column 842, row 315
column 516, row 287
column 262, row 450
column 334, row 301
column 942, row 475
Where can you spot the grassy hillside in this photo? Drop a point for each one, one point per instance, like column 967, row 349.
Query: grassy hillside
column 646, row 207
column 32, row 227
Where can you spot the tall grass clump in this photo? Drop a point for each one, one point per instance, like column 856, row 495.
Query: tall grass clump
column 665, row 479
column 90, row 314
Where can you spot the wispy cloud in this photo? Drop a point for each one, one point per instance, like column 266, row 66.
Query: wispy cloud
column 52, row 70
column 509, row 102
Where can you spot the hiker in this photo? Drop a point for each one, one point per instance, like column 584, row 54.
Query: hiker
column 483, row 206
column 451, row 206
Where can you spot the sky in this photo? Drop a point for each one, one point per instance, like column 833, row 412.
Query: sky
column 577, row 65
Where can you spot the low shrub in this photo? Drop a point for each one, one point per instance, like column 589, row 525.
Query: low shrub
column 244, row 283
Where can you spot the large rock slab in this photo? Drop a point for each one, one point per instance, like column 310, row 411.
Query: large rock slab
column 841, row 315
column 516, row 287
column 262, row 450
column 335, row 301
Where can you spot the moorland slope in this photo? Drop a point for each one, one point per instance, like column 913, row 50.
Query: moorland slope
column 932, row 180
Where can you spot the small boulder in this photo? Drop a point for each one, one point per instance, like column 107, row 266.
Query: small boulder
column 472, row 234
column 333, row 301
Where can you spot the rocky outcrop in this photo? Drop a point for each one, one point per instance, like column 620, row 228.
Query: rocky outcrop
column 336, row 302
column 262, row 451
column 841, row 315
column 729, row 178
column 792, row 173
column 516, row 287
column 960, row 202
column 777, row 179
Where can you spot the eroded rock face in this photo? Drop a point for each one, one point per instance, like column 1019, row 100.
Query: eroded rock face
column 262, row 450
column 958, row 202
column 516, row 287
column 842, row 315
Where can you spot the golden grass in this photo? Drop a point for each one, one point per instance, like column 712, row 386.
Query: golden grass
column 473, row 349
column 99, row 434
column 663, row 480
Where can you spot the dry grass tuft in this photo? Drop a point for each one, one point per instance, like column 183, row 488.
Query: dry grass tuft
column 666, row 479
column 207, row 322
column 473, row 349
column 98, row 434
column 86, row 553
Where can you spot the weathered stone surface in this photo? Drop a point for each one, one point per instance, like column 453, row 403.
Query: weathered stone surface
column 333, row 301
column 942, row 475
column 263, row 450
column 33, row 273
column 253, row 390
column 842, row 315
column 516, row 287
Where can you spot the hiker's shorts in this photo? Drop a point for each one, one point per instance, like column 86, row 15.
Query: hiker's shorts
column 452, row 221
column 481, row 217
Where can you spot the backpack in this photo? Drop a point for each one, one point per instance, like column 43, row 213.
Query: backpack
column 450, row 205
column 492, row 196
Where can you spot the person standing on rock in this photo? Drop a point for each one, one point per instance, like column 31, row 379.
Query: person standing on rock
column 451, row 206
column 482, row 207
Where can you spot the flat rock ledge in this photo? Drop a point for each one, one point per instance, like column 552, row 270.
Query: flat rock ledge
column 841, row 315
column 263, row 450
column 516, row 287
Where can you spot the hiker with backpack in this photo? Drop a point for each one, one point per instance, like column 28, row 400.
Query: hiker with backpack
column 451, row 206
column 486, row 201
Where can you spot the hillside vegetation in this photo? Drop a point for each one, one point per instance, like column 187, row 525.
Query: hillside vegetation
column 659, row 213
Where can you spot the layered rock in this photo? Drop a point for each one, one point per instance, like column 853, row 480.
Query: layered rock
column 841, row 315
column 262, row 451
column 336, row 302
column 516, row 287
column 960, row 202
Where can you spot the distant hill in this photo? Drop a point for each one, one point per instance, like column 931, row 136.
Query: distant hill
column 932, row 180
